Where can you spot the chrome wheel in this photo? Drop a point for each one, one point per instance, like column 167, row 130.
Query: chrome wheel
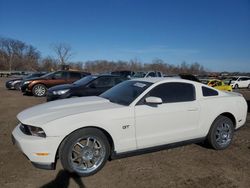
column 87, row 154
column 39, row 90
column 223, row 134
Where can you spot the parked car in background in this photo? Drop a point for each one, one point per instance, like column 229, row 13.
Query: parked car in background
column 38, row 86
column 220, row 85
column 135, row 116
column 88, row 86
column 16, row 83
column 124, row 73
column 142, row 74
column 240, row 82
column 184, row 76
column 189, row 77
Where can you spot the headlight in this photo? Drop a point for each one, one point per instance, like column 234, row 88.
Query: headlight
column 60, row 92
column 32, row 130
column 26, row 82
column 37, row 131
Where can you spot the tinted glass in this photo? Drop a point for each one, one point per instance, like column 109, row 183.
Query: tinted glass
column 139, row 74
column 234, row 78
column 118, row 80
column 104, row 82
column 75, row 75
column 209, row 92
column 151, row 74
column 126, row 92
column 174, row 92
column 58, row 75
column 85, row 80
column 244, row 79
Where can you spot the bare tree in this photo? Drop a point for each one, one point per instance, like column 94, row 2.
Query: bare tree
column 17, row 55
column 63, row 51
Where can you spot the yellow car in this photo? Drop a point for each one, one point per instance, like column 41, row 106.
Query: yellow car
column 218, row 84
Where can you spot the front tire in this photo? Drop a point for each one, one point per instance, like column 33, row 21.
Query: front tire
column 39, row 90
column 221, row 133
column 17, row 86
column 236, row 86
column 84, row 152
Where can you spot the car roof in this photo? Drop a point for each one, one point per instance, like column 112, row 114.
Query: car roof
column 105, row 75
column 157, row 79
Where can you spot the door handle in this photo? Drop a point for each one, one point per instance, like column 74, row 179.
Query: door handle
column 192, row 109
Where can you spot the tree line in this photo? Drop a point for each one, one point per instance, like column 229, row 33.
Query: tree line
column 16, row 55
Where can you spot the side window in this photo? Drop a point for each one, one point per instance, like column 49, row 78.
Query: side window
column 151, row 74
column 209, row 92
column 65, row 75
column 219, row 83
column 174, row 92
column 244, row 79
column 75, row 75
column 58, row 75
column 104, row 82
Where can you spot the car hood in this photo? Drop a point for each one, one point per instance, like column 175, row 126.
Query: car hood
column 61, row 87
column 12, row 80
column 44, row 113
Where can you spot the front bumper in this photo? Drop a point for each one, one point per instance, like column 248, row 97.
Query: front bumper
column 32, row 145
column 24, row 88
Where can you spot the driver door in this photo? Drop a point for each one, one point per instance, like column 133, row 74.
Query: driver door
column 58, row 78
column 176, row 119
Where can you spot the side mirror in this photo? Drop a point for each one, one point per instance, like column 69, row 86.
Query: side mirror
column 153, row 100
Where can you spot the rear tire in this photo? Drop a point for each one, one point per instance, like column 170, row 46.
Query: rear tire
column 39, row 90
column 221, row 133
column 84, row 152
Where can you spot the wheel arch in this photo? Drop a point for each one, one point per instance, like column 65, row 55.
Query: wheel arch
column 41, row 83
column 105, row 132
column 230, row 116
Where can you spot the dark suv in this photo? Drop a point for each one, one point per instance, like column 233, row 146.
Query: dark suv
column 38, row 86
column 88, row 86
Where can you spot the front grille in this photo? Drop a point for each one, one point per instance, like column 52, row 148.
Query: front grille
column 24, row 128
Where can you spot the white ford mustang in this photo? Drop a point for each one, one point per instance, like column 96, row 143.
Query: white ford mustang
column 133, row 117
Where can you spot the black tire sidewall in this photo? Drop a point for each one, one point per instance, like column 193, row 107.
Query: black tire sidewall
column 34, row 87
column 17, row 86
column 211, row 136
column 66, row 146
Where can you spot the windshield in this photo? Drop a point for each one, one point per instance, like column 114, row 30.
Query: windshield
column 234, row 78
column 126, row 92
column 32, row 75
column 48, row 74
column 139, row 75
column 85, row 80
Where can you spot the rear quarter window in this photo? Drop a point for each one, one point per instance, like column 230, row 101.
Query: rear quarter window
column 207, row 92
